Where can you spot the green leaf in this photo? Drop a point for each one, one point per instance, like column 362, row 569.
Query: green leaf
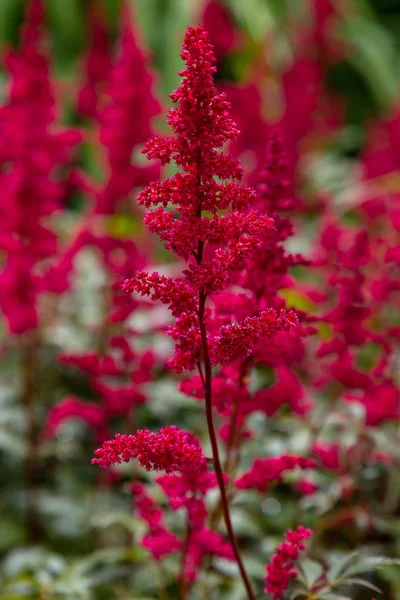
column 330, row 596
column 371, row 563
column 255, row 16
column 341, row 565
column 13, row 444
column 112, row 519
column 364, row 583
column 392, row 576
column 374, row 58
column 310, row 571
column 299, row 591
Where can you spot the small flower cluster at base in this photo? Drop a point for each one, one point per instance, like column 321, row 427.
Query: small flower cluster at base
column 169, row 450
column 281, row 567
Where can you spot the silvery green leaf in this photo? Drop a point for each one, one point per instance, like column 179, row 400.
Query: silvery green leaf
column 341, row 565
column 371, row 563
column 299, row 591
column 310, row 571
column 363, row 583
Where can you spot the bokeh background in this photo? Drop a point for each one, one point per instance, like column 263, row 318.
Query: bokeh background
column 328, row 72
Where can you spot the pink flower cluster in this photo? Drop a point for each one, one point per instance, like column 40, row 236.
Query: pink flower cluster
column 237, row 340
column 116, row 375
column 281, row 567
column 125, row 122
column 97, row 63
column 159, row 541
column 268, row 470
column 115, row 369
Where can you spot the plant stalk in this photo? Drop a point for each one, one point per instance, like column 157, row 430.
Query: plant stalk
column 214, row 445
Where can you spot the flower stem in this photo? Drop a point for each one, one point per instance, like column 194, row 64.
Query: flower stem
column 214, row 445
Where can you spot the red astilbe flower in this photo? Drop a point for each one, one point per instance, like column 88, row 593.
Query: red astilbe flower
column 288, row 390
column 364, row 292
column 35, row 159
column 215, row 246
column 212, row 229
column 281, row 567
column 204, row 542
column 268, row 470
column 72, row 407
column 116, row 373
column 169, row 450
column 115, row 368
column 218, row 21
column 97, row 63
column 265, row 273
column 125, row 121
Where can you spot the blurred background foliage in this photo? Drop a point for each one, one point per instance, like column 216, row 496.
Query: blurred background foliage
column 369, row 78
column 79, row 517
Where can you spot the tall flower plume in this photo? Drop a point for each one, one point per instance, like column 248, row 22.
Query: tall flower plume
column 33, row 153
column 97, row 63
column 210, row 228
column 213, row 229
column 125, row 121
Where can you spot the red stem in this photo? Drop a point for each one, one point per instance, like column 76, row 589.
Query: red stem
column 214, row 444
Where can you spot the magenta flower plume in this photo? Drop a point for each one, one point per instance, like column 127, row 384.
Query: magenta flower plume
column 281, row 567
column 211, row 228
column 34, row 161
column 169, row 450
column 97, row 63
column 126, row 119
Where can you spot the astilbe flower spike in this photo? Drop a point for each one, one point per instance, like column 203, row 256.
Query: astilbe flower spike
column 281, row 566
column 114, row 367
column 169, row 450
column 33, row 154
column 97, row 62
column 211, row 229
column 36, row 157
column 214, row 247
column 125, row 121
